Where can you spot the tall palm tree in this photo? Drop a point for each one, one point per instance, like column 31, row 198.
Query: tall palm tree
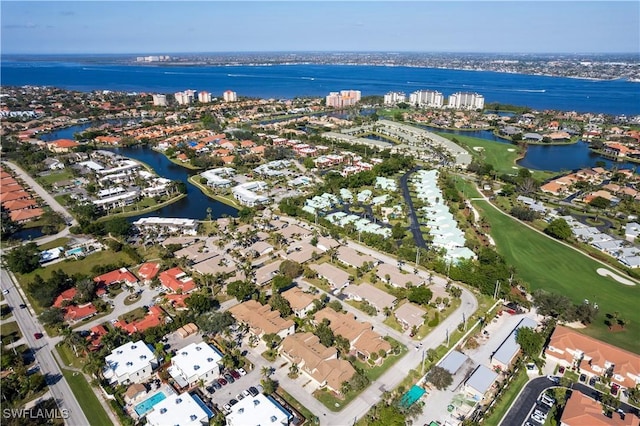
column 265, row 371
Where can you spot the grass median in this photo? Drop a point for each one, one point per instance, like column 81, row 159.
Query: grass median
column 91, row 406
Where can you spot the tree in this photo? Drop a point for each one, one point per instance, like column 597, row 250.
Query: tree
column 530, row 341
column 280, row 283
column 440, row 377
column 600, row 203
column 291, row 269
column 118, row 226
column 421, row 295
column 24, row 259
column 215, row 322
column 335, row 305
column 559, row 228
column 269, row 386
column 398, row 231
column 241, row 290
column 324, row 333
column 52, row 316
column 199, row 303
column 281, row 304
column 52, row 221
column 342, row 344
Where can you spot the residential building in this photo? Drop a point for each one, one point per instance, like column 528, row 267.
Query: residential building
column 185, row 98
column 132, row 362
column 343, row 99
column 392, row 98
column 593, row 357
column 301, row 302
column 258, row 410
column 195, row 362
column 204, row 97
column 121, row 275
column 509, row 348
column 159, row 100
column 363, row 340
column 466, row 100
column 229, row 96
column 265, row 273
column 316, row 361
column 148, row 271
column 410, row 315
column 374, row 296
column 246, row 194
column 261, row 319
column 392, row 275
column 62, row 145
column 427, row 98
column 177, row 281
column 336, row 277
column 480, row 381
column 581, row 410
column 79, row 312
column 153, row 319
column 177, row 409
column 166, row 224
column 350, row 257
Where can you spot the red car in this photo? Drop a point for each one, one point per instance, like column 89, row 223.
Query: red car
column 235, row 374
column 614, row 389
column 222, row 382
column 38, row 335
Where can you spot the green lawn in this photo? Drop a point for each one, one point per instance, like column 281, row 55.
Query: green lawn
column 9, row 332
column 86, row 399
column 546, row 264
column 502, row 156
column 507, row 398
column 59, row 242
column 59, row 176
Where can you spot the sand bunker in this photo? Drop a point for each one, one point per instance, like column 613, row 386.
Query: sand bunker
column 510, row 149
column 607, row 273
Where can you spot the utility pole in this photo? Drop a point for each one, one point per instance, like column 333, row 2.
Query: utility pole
column 447, row 337
column 418, row 256
column 495, row 292
column 422, row 368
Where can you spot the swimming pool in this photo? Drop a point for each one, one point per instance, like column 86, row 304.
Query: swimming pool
column 77, row 250
column 412, row 396
column 145, row 406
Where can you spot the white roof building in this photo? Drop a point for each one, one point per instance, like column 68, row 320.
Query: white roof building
column 186, row 226
column 177, row 409
column 259, row 410
column 197, row 361
column 132, row 362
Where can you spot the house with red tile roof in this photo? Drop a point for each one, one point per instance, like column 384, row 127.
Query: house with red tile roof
column 593, row 357
column 148, row 271
column 121, row 275
column 24, row 203
column 228, row 159
column 581, row 410
column 25, row 215
column 258, row 150
column 65, row 296
column 177, row 281
column 109, row 140
column 154, row 318
column 79, row 312
column 62, row 145
column 182, row 157
column 16, row 195
column 177, row 301
column 95, row 337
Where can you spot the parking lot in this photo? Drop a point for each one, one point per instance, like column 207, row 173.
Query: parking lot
column 540, row 411
column 232, row 390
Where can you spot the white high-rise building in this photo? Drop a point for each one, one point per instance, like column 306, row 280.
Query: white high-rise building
column 427, row 98
column 186, row 97
column 344, row 98
column 159, row 100
column 230, row 96
column 393, row 98
column 466, row 100
column 204, row 97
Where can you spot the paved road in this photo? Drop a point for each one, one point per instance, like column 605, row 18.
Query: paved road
column 520, row 410
column 48, row 198
column 414, row 224
column 58, row 386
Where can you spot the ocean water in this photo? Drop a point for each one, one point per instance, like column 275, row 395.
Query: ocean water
column 289, row 81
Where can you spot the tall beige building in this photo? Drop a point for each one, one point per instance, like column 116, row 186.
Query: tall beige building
column 159, row 100
column 186, row 97
column 230, row 96
column 428, row 98
column 466, row 100
column 343, row 99
column 204, row 97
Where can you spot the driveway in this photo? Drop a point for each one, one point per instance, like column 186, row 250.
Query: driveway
column 414, row 224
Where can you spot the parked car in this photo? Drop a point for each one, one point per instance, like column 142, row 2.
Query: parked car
column 227, row 408
column 233, row 402
column 561, row 370
column 210, row 389
column 235, row 374
column 239, row 397
column 614, row 389
column 242, row 371
column 246, row 392
column 537, row 418
column 592, row 381
column 22, row 306
column 222, row 381
column 253, row 391
column 554, row 379
column 216, row 385
column 583, row 378
column 229, row 378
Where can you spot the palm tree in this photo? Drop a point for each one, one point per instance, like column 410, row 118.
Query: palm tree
column 293, row 370
column 266, row 371
column 387, row 311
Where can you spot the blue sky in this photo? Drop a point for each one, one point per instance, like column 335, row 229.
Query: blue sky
column 429, row 26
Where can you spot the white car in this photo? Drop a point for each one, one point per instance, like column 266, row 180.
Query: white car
column 537, row 418
column 5, row 291
column 227, row 408
column 242, row 371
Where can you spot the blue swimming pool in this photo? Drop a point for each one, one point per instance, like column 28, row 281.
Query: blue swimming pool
column 77, row 250
column 412, row 396
column 145, row 406
column 202, row 405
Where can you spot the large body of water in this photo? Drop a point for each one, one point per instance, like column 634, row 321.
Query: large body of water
column 289, row 81
column 193, row 206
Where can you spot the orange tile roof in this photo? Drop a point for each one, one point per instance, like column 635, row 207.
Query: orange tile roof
column 258, row 149
column 247, row 144
column 229, row 159
column 65, row 143
column 177, row 300
column 11, row 188
column 23, row 203
column 16, row 195
column 581, row 410
column 566, row 344
column 76, row 313
column 149, row 270
column 119, row 275
column 25, row 214
column 152, row 319
column 66, row 295
column 176, row 279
